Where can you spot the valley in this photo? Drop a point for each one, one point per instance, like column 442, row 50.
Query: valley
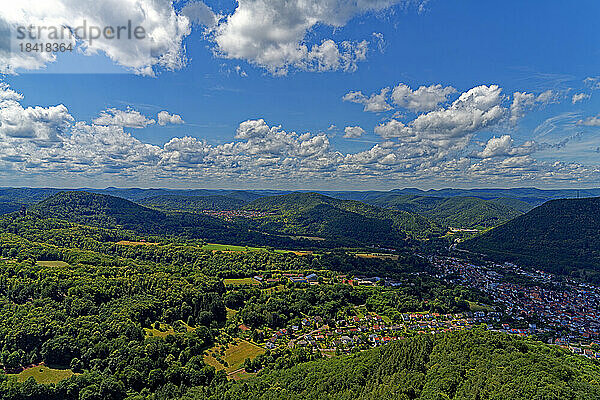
column 207, row 299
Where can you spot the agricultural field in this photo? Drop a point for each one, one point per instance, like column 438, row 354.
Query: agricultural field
column 230, row 248
column 45, row 375
column 130, row 243
column 240, row 281
column 393, row 257
column 52, row 264
column 234, row 355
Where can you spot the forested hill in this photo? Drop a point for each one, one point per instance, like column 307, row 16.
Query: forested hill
column 95, row 209
column 466, row 365
column 109, row 212
column 313, row 214
column 192, row 203
column 354, row 224
column 561, row 236
column 458, row 212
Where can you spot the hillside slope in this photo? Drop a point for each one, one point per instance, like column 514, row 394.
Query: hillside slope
column 108, row 211
column 466, row 365
column 561, row 236
column 192, row 203
column 9, row 207
column 313, row 214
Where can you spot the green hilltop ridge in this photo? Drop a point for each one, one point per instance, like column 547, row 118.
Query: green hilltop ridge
column 458, row 212
column 95, row 209
column 9, row 207
column 192, row 203
column 313, row 214
column 514, row 204
column 110, row 212
column 560, row 236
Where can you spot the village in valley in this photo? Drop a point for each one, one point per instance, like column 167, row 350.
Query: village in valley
column 561, row 314
column 567, row 309
column 367, row 330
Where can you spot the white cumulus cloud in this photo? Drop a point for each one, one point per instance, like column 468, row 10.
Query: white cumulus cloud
column 504, row 146
column 272, row 33
column 129, row 118
column 474, row 110
column 47, row 141
column 523, row 101
column 353, row 132
column 160, row 45
column 425, row 98
column 377, row 102
column 165, row 118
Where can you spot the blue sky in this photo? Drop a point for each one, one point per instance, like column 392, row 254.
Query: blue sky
column 534, row 47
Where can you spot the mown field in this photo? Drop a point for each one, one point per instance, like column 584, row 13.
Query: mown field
column 165, row 330
column 393, row 257
column 234, row 355
column 52, row 264
column 240, row 281
column 130, row 243
column 229, row 247
column 45, row 375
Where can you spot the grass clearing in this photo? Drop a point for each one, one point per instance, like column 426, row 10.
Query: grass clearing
column 129, row 243
column 240, row 281
column 45, row 375
column 478, row 307
column 234, row 356
column 393, row 257
column 241, row 375
column 52, row 264
column 164, row 331
column 230, row 313
column 273, row 289
column 302, row 253
column 230, row 248
column 360, row 311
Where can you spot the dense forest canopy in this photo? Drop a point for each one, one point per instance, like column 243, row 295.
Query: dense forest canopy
column 193, row 203
column 458, row 212
column 317, row 215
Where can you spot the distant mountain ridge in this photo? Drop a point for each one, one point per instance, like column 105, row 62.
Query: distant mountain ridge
column 532, row 196
column 560, row 236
